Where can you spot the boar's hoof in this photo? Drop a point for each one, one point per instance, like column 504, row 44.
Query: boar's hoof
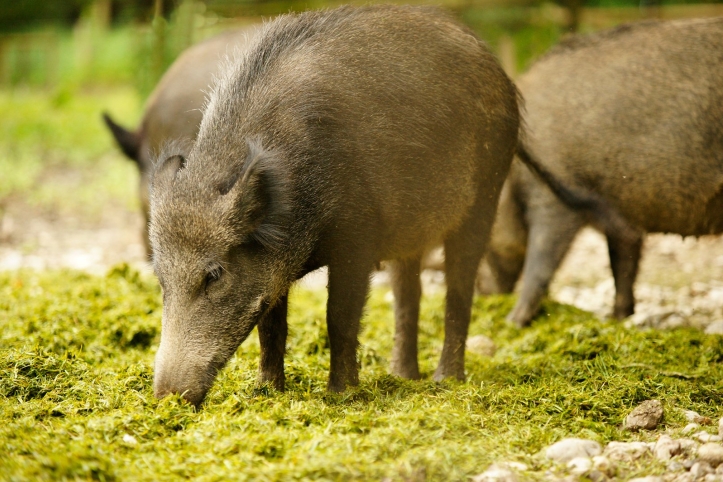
column 441, row 373
column 621, row 312
column 520, row 316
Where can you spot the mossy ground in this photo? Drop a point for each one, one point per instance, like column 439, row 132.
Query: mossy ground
column 76, row 401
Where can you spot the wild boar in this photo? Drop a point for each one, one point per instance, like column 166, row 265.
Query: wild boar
column 633, row 114
column 341, row 138
column 174, row 108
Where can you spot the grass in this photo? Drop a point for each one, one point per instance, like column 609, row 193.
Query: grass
column 56, row 153
column 76, row 402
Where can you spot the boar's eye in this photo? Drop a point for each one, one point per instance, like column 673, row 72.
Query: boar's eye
column 213, row 275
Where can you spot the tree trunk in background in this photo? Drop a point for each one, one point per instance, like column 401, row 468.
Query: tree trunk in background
column 574, row 10
column 159, row 40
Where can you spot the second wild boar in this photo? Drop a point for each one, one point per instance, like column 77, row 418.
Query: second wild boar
column 633, row 114
column 341, row 138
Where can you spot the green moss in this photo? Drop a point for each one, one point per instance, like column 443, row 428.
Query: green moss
column 76, row 401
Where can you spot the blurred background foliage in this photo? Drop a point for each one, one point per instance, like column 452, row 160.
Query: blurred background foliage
column 62, row 62
column 68, row 44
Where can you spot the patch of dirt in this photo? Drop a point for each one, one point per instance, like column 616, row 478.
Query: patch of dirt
column 679, row 282
column 35, row 238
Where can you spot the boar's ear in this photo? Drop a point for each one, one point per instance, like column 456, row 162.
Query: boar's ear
column 259, row 196
column 165, row 172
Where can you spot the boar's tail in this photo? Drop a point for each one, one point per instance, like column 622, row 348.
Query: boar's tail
column 129, row 142
column 608, row 218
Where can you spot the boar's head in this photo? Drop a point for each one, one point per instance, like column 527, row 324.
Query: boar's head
column 217, row 230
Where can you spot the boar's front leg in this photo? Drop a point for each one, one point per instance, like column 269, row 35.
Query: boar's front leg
column 624, row 261
column 348, row 288
column 272, row 338
column 407, row 292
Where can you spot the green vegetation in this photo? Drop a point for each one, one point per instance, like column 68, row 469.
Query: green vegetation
column 57, row 155
column 76, row 356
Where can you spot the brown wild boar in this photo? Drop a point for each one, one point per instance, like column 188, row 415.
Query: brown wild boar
column 174, row 108
column 341, row 138
column 634, row 115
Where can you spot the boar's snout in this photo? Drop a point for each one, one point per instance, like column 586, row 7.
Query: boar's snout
column 163, row 387
column 190, row 381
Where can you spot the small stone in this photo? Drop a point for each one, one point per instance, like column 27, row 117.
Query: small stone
column 688, row 446
column 688, row 463
column 690, row 428
column 602, row 464
column 700, row 469
column 517, row 466
column 569, row 448
column 675, row 467
column 684, row 477
column 579, row 465
column 649, row 478
column 496, row 473
column 666, row 448
column 481, row 345
column 695, row 417
column 711, row 453
column 647, row 416
column 597, row 476
column 626, row 451
column 715, row 328
column 713, row 478
column 130, row 439
column 705, row 437
column 720, row 427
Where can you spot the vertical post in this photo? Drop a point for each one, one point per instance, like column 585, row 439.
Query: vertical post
column 159, row 40
column 506, row 52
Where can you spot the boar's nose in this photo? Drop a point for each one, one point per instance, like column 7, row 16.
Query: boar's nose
column 162, row 387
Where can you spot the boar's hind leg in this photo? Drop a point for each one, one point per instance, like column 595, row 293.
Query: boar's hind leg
column 348, row 288
column 624, row 260
column 463, row 250
column 552, row 231
column 407, row 292
column 272, row 337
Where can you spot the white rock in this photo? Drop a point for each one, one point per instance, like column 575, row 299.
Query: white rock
column 675, row 467
column 688, row 446
column 496, row 473
column 579, row 465
column 666, row 448
column 719, row 469
column 705, row 437
column 602, row 464
column 684, row 477
column 720, row 427
column 130, row 439
column 626, row 451
column 690, row 428
column 647, row 416
column 481, row 345
column 518, row 466
column 649, row 478
column 569, row 448
column 713, row 478
column 701, row 469
column 711, row 453
column 715, row 328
